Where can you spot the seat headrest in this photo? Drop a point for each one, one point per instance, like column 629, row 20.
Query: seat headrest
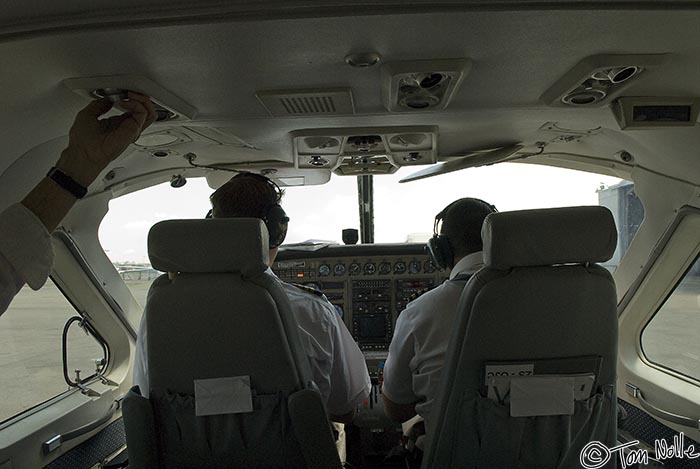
column 548, row 237
column 209, row 245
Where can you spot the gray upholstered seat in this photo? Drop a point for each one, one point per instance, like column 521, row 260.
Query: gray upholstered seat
column 222, row 340
column 539, row 304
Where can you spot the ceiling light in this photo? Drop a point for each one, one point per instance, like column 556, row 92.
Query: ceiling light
column 363, row 59
column 423, row 84
column 157, row 140
column 317, row 160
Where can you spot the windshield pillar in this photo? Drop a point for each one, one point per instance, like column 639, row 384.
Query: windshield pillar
column 365, row 196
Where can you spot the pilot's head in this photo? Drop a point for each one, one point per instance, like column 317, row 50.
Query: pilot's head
column 252, row 195
column 459, row 235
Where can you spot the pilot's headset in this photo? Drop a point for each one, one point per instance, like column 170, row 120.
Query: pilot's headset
column 274, row 216
column 439, row 247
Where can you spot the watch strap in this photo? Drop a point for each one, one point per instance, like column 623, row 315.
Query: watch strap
column 66, row 182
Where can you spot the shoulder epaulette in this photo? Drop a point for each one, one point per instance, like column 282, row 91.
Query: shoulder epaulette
column 308, row 289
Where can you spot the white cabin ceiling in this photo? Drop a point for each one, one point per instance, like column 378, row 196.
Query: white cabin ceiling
column 217, row 66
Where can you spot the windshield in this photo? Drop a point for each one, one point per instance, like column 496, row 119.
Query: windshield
column 402, row 213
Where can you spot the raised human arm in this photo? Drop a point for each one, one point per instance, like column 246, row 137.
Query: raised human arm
column 93, row 143
column 25, row 244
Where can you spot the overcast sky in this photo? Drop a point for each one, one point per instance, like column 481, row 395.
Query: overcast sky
column 322, row 212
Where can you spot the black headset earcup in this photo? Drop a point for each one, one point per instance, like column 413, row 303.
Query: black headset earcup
column 276, row 221
column 440, row 251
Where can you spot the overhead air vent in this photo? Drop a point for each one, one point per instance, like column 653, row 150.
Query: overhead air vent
column 598, row 79
column 168, row 106
column 328, row 102
column 655, row 112
column 423, row 85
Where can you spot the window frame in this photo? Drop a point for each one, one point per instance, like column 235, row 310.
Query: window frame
column 63, row 237
column 649, row 271
column 657, row 310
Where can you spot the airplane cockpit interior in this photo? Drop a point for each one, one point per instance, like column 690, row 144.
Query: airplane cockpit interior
column 339, row 325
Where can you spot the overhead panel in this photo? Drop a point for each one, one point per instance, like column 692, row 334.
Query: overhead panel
column 369, row 150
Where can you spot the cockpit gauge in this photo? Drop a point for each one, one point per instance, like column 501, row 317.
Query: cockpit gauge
column 324, row 270
column 339, row 269
column 355, row 269
column 370, row 268
column 429, row 267
column 400, row 267
column 384, row 268
column 414, row 267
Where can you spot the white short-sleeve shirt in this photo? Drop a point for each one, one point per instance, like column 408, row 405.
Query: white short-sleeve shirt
column 26, row 255
column 337, row 365
column 417, row 351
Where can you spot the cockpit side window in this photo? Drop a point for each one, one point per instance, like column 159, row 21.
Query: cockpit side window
column 31, row 356
column 670, row 338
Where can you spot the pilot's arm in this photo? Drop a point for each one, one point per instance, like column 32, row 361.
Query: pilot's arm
column 397, row 388
column 26, row 255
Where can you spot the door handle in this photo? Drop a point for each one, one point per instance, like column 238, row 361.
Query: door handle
column 634, row 391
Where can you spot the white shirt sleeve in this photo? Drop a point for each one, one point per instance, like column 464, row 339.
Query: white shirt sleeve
column 398, row 376
column 350, row 383
column 26, row 255
column 140, row 378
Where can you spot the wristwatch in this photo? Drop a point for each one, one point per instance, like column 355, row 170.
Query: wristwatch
column 67, row 182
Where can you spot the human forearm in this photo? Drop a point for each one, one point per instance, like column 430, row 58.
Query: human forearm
column 93, row 144
column 49, row 202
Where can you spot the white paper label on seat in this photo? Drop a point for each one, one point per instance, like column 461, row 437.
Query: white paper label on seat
column 223, row 396
column 507, row 370
column 541, row 395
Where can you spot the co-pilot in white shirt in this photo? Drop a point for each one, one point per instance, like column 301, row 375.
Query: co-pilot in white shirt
column 26, row 255
column 337, row 364
column 417, row 351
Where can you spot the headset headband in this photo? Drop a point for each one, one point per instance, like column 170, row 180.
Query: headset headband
column 440, row 217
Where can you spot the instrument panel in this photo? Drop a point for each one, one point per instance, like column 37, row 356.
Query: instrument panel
column 368, row 284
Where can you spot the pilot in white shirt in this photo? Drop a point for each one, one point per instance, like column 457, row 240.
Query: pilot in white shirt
column 337, row 365
column 417, row 352
column 26, row 255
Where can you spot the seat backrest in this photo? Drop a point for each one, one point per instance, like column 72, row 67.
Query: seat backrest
column 224, row 356
column 536, row 326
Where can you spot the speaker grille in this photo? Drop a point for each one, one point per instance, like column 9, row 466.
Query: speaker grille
column 307, row 102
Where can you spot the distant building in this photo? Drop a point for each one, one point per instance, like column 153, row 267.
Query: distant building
column 136, row 272
column 418, row 237
column 628, row 212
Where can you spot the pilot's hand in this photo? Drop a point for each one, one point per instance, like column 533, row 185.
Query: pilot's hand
column 93, row 142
